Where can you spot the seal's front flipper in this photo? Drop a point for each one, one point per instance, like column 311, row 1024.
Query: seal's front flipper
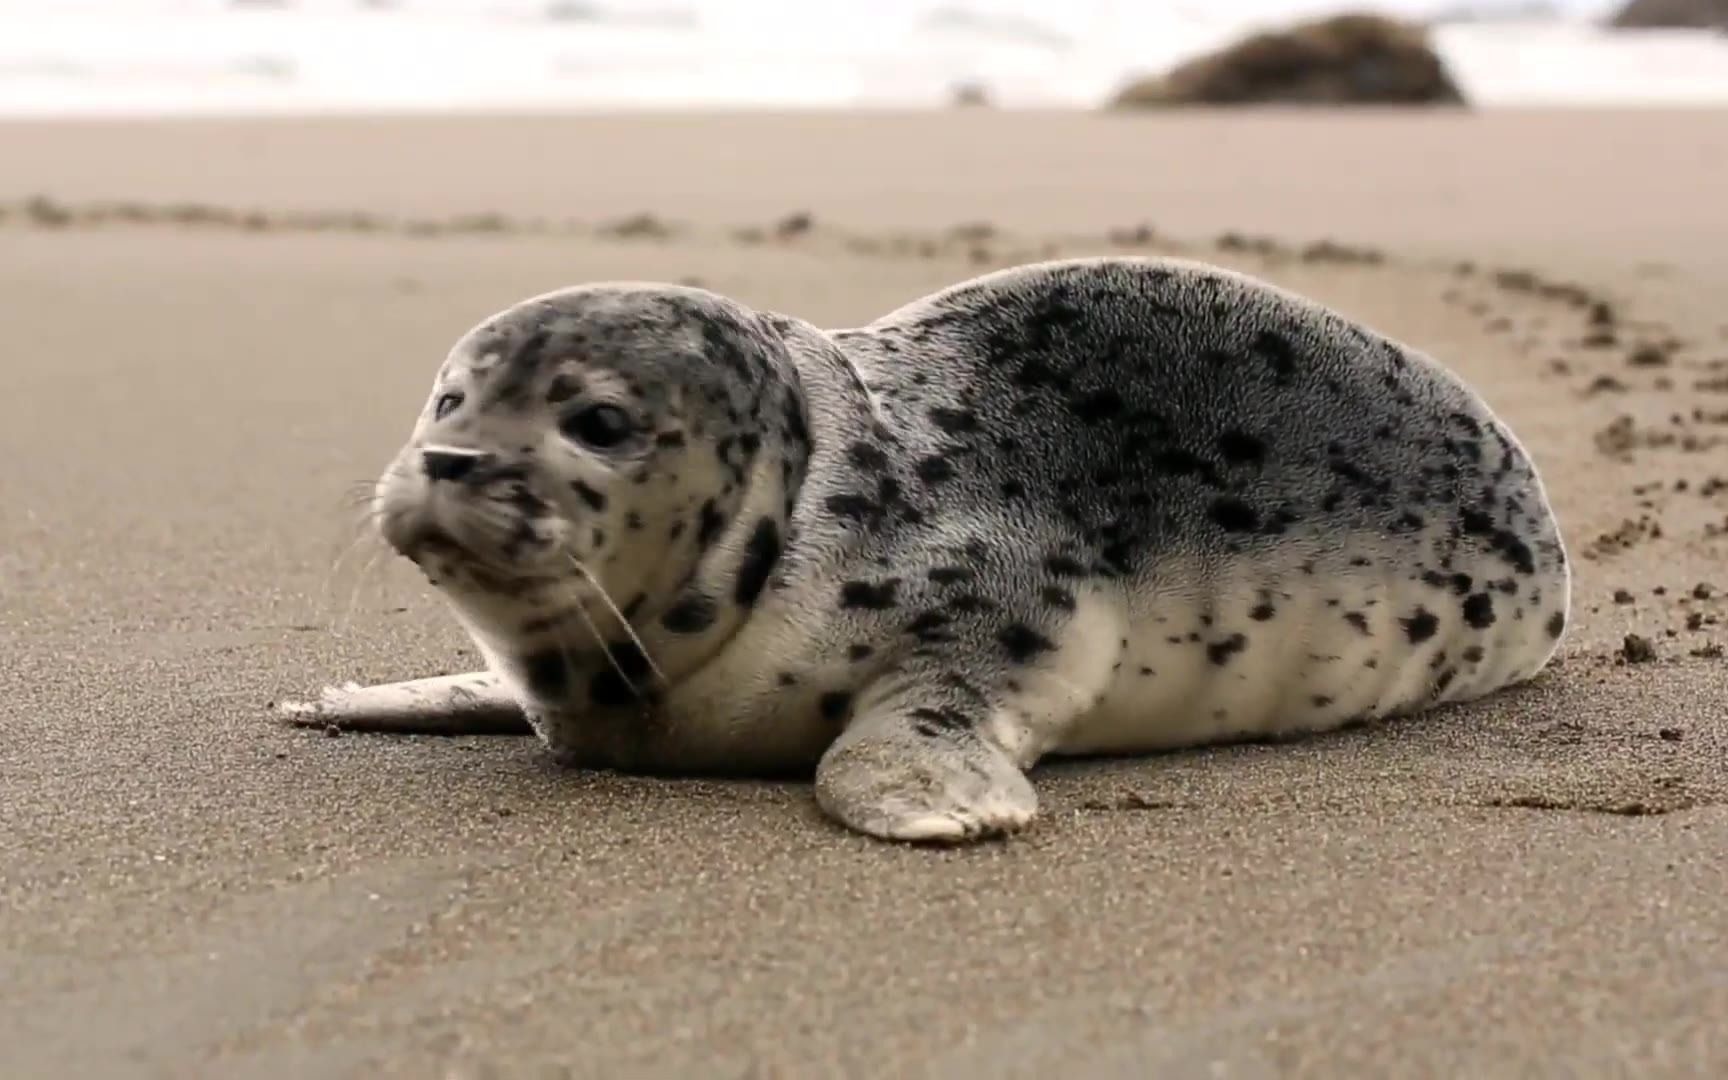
column 938, row 749
column 923, row 772
column 475, row 703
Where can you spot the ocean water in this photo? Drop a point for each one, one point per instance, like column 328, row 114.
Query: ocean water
column 71, row 57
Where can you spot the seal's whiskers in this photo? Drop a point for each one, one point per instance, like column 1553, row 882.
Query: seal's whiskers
column 372, row 563
column 365, row 533
column 360, row 493
column 606, row 598
column 600, row 639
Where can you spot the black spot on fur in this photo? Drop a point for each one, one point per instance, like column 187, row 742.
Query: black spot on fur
column 1234, row 515
column 1320, row 701
column 1022, row 642
column 1420, row 626
column 930, row 627
column 1357, row 619
column 1465, row 422
column 934, row 469
column 1241, row 448
column 1063, row 566
column 1013, row 489
column 1175, row 461
column 1098, row 406
column 869, row 595
column 966, row 686
column 608, row 688
column 1473, row 654
column 1479, row 610
column 1220, row 652
column 1556, row 624
column 949, row 575
column 1350, row 471
column 528, row 355
column 562, row 389
column 760, row 554
column 1034, row 372
column 853, row 507
column 596, row 500
column 859, row 652
column 1276, row 350
column 711, row 524
column 954, row 421
column 1503, row 541
column 970, row 604
column 1113, row 559
column 833, row 706
column 548, row 674
column 693, row 613
column 628, row 667
column 1262, row 611
column 866, row 456
column 1279, row 523
column 1514, row 551
column 1057, row 596
column 630, row 660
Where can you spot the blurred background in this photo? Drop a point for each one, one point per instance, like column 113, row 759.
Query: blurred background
column 245, row 56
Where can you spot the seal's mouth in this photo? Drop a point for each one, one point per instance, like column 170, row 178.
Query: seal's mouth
column 485, row 526
column 419, row 541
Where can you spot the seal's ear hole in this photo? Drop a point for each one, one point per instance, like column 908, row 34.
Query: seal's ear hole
column 600, row 426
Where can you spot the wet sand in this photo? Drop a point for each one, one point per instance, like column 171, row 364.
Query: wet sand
column 1531, row 885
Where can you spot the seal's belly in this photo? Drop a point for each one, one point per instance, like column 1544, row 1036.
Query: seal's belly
column 1253, row 657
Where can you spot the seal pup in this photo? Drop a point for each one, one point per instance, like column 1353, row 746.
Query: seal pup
column 1098, row 505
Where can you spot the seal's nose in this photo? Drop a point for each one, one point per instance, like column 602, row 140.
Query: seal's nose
column 447, row 464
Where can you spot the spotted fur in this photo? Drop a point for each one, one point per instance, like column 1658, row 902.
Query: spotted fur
column 1079, row 506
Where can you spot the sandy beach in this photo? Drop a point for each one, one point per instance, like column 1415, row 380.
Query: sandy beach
column 216, row 330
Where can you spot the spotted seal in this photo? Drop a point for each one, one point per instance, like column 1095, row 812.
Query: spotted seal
column 1079, row 506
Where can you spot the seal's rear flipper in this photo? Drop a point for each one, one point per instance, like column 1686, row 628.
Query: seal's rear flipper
column 475, row 703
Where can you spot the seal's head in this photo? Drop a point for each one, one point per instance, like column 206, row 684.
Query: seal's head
column 600, row 449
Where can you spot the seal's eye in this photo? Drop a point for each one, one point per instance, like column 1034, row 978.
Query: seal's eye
column 446, row 405
column 597, row 425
